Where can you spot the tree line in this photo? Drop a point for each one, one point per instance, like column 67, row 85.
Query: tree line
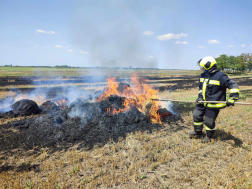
column 234, row 64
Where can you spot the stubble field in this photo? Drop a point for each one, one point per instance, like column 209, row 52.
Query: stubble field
column 160, row 156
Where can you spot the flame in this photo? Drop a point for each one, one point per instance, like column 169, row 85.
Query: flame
column 110, row 90
column 139, row 95
column 38, row 99
column 61, row 103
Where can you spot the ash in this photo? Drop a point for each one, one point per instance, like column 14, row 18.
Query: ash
column 81, row 121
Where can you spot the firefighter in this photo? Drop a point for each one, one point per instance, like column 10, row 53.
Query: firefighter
column 212, row 87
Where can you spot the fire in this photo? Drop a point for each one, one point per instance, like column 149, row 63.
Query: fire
column 38, row 99
column 139, row 95
column 61, row 103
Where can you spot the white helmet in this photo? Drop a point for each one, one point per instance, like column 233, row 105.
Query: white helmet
column 207, row 62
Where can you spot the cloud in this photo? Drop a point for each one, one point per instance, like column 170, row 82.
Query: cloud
column 58, row 46
column 243, row 45
column 147, row 33
column 230, row 46
column 169, row 36
column 83, row 52
column 200, row 47
column 181, row 42
column 66, row 46
column 213, row 41
column 42, row 31
column 151, row 56
column 70, row 50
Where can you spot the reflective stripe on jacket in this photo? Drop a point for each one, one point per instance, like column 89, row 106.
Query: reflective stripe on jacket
column 212, row 87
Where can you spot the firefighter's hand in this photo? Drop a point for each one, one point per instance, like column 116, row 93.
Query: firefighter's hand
column 199, row 99
column 230, row 102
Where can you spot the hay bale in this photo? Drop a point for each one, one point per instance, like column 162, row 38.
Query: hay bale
column 25, row 107
column 48, row 106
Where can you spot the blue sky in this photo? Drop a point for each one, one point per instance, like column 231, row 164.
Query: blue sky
column 160, row 34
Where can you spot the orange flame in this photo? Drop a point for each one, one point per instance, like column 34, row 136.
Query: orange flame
column 61, row 103
column 138, row 95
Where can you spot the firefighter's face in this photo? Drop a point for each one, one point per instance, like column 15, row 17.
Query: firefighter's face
column 202, row 69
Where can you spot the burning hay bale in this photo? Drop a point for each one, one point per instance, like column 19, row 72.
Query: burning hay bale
column 86, row 113
column 48, row 106
column 83, row 121
column 123, row 87
column 118, row 110
column 25, row 107
column 163, row 112
column 112, row 103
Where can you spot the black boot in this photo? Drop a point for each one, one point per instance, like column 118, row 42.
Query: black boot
column 194, row 134
column 208, row 137
column 210, row 133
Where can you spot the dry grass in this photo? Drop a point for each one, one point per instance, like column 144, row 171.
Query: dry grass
column 52, row 72
column 161, row 159
column 4, row 94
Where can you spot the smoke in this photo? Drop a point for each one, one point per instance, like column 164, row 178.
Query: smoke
column 53, row 94
column 85, row 110
column 168, row 105
column 81, row 114
column 5, row 104
column 111, row 33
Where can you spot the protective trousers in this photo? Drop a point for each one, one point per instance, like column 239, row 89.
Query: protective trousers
column 209, row 120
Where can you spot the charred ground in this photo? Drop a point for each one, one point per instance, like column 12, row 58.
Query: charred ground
column 83, row 122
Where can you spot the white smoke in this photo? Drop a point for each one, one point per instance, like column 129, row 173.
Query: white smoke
column 168, row 105
column 5, row 104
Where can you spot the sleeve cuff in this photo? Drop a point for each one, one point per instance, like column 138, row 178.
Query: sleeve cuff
column 235, row 90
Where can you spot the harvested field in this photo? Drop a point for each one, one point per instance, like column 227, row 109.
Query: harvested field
column 83, row 143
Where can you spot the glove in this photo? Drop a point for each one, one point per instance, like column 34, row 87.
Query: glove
column 199, row 99
column 230, row 102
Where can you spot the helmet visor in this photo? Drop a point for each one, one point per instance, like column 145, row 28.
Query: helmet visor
column 202, row 68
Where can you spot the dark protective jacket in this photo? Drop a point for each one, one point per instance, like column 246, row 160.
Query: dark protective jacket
column 212, row 87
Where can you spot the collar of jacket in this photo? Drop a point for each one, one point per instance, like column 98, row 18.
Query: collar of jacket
column 214, row 69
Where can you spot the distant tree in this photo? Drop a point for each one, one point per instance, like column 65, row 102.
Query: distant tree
column 248, row 61
column 241, row 65
column 249, row 66
column 232, row 63
column 62, row 66
column 222, row 62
